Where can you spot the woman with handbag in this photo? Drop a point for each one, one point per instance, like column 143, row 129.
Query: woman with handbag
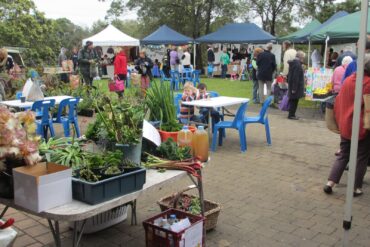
column 343, row 110
column 120, row 71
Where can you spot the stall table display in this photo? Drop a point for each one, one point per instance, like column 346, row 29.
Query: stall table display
column 18, row 104
column 318, row 83
column 78, row 212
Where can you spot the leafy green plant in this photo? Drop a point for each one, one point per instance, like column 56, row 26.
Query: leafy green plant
column 159, row 102
column 171, row 151
column 71, row 155
column 121, row 123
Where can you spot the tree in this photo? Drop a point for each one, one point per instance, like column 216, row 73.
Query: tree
column 21, row 24
column 69, row 34
column 272, row 12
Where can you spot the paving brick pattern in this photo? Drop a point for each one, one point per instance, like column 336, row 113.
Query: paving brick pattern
column 270, row 196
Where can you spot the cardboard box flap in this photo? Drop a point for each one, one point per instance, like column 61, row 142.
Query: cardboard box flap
column 45, row 172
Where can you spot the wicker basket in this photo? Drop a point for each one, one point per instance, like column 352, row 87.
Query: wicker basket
column 212, row 209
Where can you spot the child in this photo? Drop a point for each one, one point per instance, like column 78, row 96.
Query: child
column 144, row 65
column 187, row 112
column 203, row 111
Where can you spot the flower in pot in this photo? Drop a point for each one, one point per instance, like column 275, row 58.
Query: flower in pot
column 159, row 102
column 18, row 145
column 122, row 125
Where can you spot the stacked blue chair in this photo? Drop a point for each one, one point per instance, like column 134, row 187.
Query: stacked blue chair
column 262, row 118
column 45, row 121
column 196, row 77
column 163, row 77
column 237, row 123
column 175, row 80
column 67, row 115
column 187, row 75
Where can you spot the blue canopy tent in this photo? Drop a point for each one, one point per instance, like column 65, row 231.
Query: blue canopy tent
column 165, row 36
column 238, row 33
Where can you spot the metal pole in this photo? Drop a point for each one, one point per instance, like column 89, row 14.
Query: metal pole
column 355, row 123
column 326, row 50
column 195, row 53
column 309, row 52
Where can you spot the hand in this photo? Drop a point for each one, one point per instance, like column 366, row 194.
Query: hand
column 293, row 92
column 146, row 63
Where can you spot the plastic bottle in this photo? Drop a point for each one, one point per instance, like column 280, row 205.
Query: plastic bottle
column 185, row 137
column 201, row 144
column 172, row 220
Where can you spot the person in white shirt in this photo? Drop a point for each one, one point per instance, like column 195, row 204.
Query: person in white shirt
column 185, row 59
column 289, row 55
column 316, row 59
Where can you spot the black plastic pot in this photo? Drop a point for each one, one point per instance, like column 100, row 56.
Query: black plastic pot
column 94, row 193
column 6, row 177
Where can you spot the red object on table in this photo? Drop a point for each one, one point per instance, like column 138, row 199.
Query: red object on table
column 7, row 224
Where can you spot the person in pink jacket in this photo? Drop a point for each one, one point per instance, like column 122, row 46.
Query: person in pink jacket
column 339, row 73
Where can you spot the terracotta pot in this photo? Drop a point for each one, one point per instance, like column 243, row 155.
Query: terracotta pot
column 166, row 135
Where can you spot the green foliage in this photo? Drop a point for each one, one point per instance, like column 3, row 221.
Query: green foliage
column 160, row 103
column 170, row 150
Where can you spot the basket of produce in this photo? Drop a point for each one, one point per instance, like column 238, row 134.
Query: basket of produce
column 191, row 204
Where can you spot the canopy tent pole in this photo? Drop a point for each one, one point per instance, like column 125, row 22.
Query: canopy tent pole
column 309, row 52
column 194, row 55
column 355, row 123
column 326, row 50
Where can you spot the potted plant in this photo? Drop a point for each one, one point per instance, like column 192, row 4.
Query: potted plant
column 18, row 146
column 160, row 104
column 122, row 125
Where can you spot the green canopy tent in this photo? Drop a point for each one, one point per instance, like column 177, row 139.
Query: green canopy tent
column 304, row 32
column 345, row 29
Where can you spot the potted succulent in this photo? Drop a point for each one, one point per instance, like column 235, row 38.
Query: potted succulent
column 122, row 125
column 18, row 146
column 159, row 102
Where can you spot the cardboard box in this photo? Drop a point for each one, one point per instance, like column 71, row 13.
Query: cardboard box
column 43, row 186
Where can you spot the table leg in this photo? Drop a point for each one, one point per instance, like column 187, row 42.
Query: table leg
column 209, row 125
column 133, row 213
column 55, row 231
column 4, row 211
column 77, row 233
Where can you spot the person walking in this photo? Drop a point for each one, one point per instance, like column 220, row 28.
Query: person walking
column 186, row 59
column 256, row 97
column 120, row 67
column 62, row 58
column 295, row 83
column 289, row 55
column 343, row 110
column 87, row 59
column 224, row 60
column 74, row 58
column 210, row 60
column 144, row 66
column 174, row 59
column 266, row 64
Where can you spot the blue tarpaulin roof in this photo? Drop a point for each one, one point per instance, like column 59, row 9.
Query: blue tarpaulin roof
column 236, row 33
column 166, row 36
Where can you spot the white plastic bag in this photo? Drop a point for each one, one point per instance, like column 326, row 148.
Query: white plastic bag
column 35, row 93
column 26, row 88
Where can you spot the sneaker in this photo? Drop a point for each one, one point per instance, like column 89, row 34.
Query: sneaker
column 357, row 192
column 293, row 118
column 328, row 189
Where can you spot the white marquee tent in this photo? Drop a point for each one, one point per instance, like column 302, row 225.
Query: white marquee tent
column 111, row 36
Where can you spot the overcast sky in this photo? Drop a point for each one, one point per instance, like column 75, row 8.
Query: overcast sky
column 81, row 12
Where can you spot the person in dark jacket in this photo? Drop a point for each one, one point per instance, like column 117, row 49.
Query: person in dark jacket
column 256, row 97
column 87, row 59
column 295, row 83
column 75, row 59
column 120, row 67
column 210, row 60
column 266, row 64
column 144, row 66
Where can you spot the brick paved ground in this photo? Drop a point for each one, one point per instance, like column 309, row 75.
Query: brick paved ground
column 270, row 196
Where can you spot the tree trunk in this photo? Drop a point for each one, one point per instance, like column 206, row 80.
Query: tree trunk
column 209, row 15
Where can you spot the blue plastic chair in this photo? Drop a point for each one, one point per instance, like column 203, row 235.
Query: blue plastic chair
column 262, row 118
column 237, row 123
column 45, row 122
column 186, row 75
column 175, row 80
column 196, row 77
column 177, row 98
column 163, row 77
column 68, row 106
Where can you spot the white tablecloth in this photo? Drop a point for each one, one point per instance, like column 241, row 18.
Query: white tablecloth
column 19, row 104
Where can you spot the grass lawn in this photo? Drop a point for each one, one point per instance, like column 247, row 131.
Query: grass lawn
column 227, row 87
